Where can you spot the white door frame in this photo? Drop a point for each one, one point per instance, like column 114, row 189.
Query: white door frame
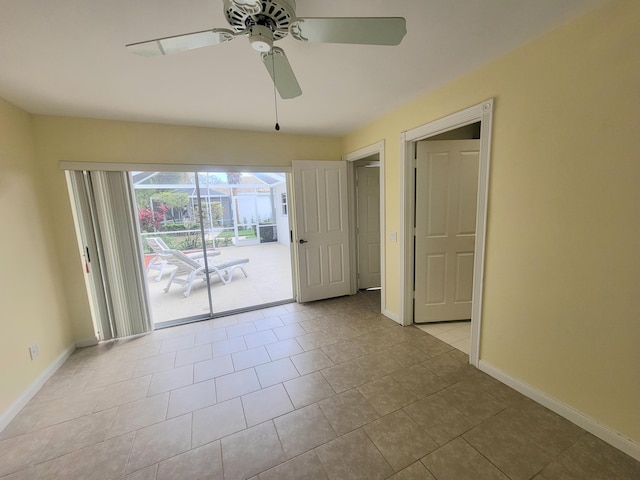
column 351, row 158
column 483, row 113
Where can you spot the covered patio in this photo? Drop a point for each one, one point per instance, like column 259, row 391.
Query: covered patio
column 268, row 280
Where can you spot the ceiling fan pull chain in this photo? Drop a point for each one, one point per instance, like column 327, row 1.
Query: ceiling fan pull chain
column 275, row 97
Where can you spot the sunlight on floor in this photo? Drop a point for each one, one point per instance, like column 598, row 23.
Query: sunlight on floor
column 456, row 334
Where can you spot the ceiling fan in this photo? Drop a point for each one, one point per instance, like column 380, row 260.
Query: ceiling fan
column 267, row 21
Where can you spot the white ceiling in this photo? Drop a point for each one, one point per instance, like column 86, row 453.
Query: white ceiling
column 67, row 57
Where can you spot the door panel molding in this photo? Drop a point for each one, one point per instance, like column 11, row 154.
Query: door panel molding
column 483, row 113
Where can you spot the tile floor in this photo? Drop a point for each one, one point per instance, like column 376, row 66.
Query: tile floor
column 324, row 390
column 456, row 334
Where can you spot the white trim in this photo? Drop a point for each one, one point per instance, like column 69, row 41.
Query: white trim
column 169, row 167
column 376, row 148
column 601, row 431
column 483, row 113
column 30, row 392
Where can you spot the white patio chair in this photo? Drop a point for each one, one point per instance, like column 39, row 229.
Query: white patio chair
column 158, row 245
column 191, row 268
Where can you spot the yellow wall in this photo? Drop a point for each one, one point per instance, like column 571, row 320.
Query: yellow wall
column 83, row 140
column 561, row 309
column 28, row 264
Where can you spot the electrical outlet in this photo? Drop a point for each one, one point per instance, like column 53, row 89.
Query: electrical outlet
column 34, row 351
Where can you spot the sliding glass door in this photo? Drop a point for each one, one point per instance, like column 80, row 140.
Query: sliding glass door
column 214, row 242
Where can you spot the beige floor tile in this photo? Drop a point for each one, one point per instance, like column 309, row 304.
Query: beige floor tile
column 341, row 352
column 192, row 397
column 148, row 473
column 590, row 457
column 415, row 471
column 353, row 456
column 442, row 421
column 67, row 407
column 241, row 329
column 41, row 471
column 171, row 379
column 346, row 375
column 276, row 372
column 78, row 433
column 108, row 376
column 347, row 411
column 266, row 404
column 305, row 466
column 19, row 452
column 515, row 440
column 142, row 413
column 213, row 368
column 177, row 343
column 303, row 430
column 457, row 460
column 260, row 338
column 104, row 461
column 159, row 442
column 289, row 331
column 429, row 388
column 311, row 361
column 211, row 336
column 217, row 421
column 193, row 355
column 155, row 364
column 308, row 389
column 392, row 434
column 203, row 463
column 268, row 323
column 226, row 347
column 250, row 358
column 251, row 451
column 419, row 381
column 124, row 392
column 236, row 384
column 472, row 400
column 386, row 395
column 283, row 348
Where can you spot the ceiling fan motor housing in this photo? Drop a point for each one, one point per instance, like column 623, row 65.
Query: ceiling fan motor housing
column 276, row 16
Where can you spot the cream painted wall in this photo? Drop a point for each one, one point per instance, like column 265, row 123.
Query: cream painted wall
column 33, row 304
column 83, row 140
column 560, row 309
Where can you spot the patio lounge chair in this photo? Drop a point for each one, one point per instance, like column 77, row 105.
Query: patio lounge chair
column 192, row 268
column 158, row 245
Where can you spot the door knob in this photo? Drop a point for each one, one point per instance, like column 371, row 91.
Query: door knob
column 301, row 241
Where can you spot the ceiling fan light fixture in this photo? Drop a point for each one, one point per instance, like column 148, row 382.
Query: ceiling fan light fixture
column 261, row 38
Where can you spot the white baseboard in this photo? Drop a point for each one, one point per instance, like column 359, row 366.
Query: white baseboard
column 14, row 409
column 603, row 432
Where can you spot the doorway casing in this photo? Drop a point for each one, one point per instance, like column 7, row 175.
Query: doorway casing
column 482, row 113
column 376, row 149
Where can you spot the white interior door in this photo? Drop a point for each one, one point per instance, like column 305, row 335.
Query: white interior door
column 368, row 228
column 446, row 204
column 322, row 236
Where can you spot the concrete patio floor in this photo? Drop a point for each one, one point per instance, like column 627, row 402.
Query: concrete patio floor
column 269, row 279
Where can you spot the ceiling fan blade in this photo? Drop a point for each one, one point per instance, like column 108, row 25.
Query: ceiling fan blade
column 357, row 30
column 283, row 76
column 181, row 43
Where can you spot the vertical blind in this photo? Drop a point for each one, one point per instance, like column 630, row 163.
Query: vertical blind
column 117, row 276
